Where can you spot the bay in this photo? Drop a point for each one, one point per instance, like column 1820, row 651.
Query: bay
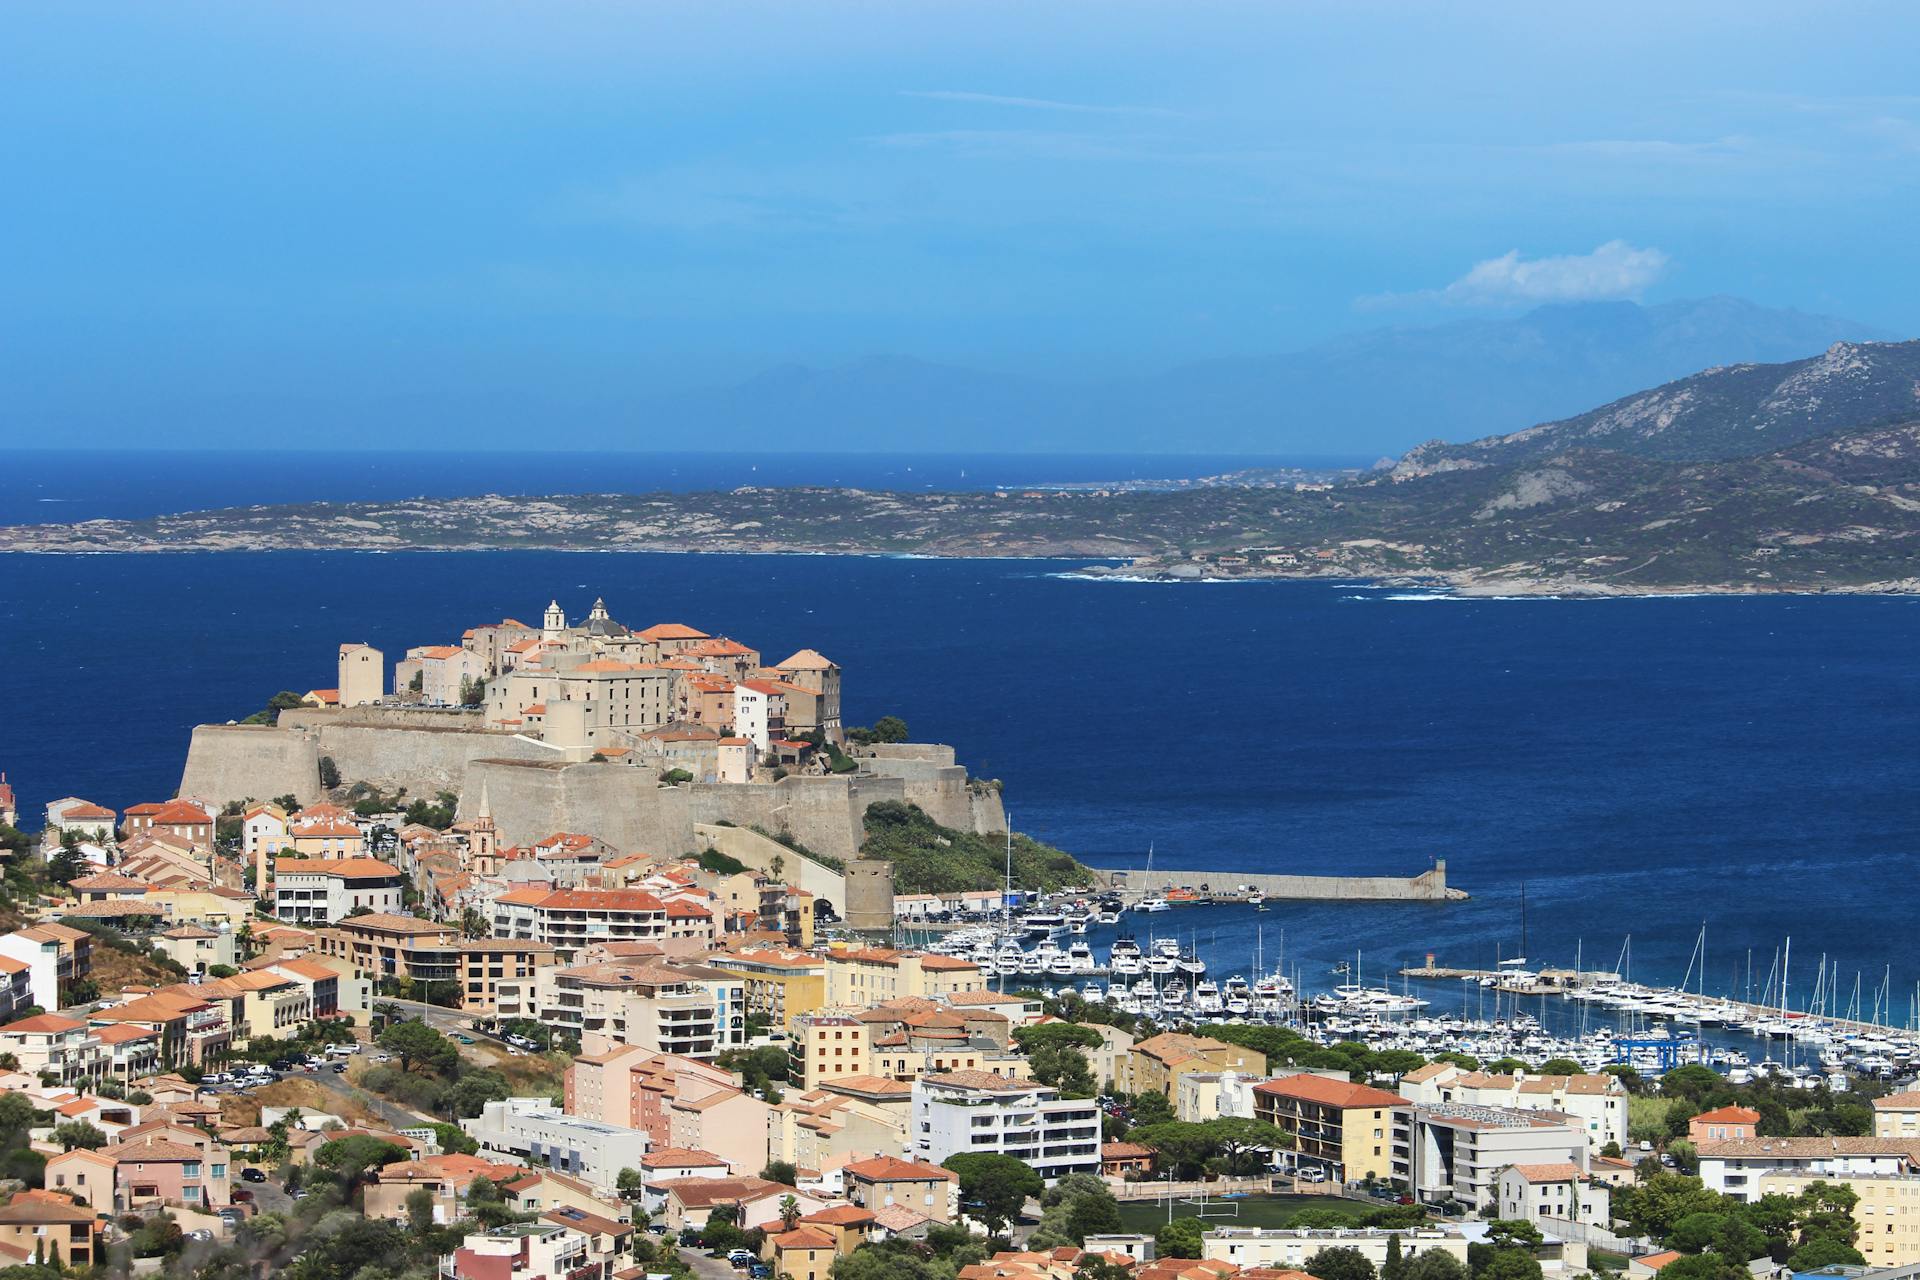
column 1642, row 766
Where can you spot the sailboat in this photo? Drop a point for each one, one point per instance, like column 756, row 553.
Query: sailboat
column 1155, row 903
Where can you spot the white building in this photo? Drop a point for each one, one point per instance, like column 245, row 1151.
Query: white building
column 307, row 891
column 1736, row 1169
column 1457, row 1150
column 263, row 831
column 536, row 1131
column 750, row 717
column 1289, row 1250
column 974, row 1111
column 570, row 919
column 1213, row 1095
column 1598, row 1103
column 1560, row 1191
column 83, row 817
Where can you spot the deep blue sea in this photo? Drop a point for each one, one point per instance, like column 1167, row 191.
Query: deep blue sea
column 1642, row 766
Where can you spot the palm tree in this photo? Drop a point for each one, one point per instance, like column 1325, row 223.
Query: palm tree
column 244, row 939
column 388, row 1013
column 789, row 1211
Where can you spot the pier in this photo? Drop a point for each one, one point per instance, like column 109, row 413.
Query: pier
column 1235, row 886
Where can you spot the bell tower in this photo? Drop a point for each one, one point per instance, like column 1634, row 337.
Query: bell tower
column 554, row 623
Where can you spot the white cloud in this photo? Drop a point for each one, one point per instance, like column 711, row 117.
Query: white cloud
column 1032, row 104
column 1614, row 270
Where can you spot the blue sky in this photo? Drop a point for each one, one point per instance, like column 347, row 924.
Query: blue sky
column 218, row 207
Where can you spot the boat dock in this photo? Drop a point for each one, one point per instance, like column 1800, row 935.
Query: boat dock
column 1548, row 982
column 1237, row 886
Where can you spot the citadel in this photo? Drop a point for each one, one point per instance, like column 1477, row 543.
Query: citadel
column 635, row 738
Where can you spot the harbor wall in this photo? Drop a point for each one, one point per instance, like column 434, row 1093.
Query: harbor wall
column 1428, row 886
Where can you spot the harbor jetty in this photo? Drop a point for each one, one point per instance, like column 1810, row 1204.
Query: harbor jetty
column 1236, row 886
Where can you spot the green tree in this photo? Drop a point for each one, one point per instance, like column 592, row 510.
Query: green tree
column 1434, row 1265
column 789, row 1212
column 1339, row 1263
column 1655, row 1205
column 1560, row 1067
column 1826, row 1213
column 1824, row 1252
column 419, row 1211
column 1704, row 1266
column 1505, row 1264
column 78, row 1133
column 329, row 773
column 417, row 1044
column 994, row 1188
column 1182, row 1238
column 469, row 1095
column 782, row 1172
column 889, row 729
column 629, row 1184
column 351, row 1157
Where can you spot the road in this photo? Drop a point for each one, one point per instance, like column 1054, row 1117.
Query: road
column 709, row 1268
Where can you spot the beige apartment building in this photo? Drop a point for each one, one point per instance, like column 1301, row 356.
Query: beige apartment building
column 684, row 1009
column 860, row 977
column 386, row 948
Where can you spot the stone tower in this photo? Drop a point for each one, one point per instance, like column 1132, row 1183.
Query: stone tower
column 362, row 677
column 555, row 623
column 869, row 894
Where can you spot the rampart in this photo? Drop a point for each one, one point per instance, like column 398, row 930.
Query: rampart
column 752, row 849
column 532, row 795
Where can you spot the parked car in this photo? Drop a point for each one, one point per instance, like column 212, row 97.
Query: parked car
column 340, row 1067
column 240, row 1195
column 739, row 1257
column 253, row 1175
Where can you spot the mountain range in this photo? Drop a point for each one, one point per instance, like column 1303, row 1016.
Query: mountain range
column 1368, row 393
column 1802, row 475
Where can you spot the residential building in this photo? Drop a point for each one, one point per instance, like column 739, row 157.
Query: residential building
column 1747, row 1169
column 846, row 1119
column 859, row 977
column 1157, row 1063
column 83, row 818
column 728, row 1122
column 181, row 818
column 535, row 1131
column 389, row 949
column 958, row 1112
column 542, row 1250
column 927, row 1189
column 1345, row 1129
column 780, row 984
column 152, row 1172
column 56, row 956
column 825, row 1046
column 444, row 1177
column 1561, row 1191
column 196, row 948
column 51, row 1228
column 1455, row 1150
column 571, row 919
column 439, row 675
column 819, row 675
column 1597, row 1102
column 1290, row 1249
column 1895, row 1116
column 1734, row 1124
column 686, row 1202
column 676, row 1008
column 1213, row 1095
column 804, row 1253
column 47, row 1044
column 324, row 891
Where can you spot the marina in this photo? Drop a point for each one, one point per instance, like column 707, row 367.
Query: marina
column 1195, row 965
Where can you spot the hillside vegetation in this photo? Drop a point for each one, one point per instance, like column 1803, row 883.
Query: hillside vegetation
column 1801, row 476
column 930, row 858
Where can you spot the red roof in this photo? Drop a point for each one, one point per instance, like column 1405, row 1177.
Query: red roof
column 894, row 1169
column 1332, row 1093
column 1728, row 1115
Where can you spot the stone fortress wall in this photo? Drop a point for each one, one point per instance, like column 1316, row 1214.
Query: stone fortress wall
column 532, row 795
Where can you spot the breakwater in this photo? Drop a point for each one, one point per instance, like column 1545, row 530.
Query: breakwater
column 1428, row 886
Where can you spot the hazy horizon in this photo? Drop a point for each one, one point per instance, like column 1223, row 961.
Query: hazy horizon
column 250, row 227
